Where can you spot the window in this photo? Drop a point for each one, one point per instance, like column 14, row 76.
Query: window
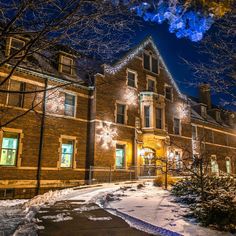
column 194, row 132
column 132, row 79
column 120, row 156
column 168, row 92
column 228, row 165
column 15, row 45
column 120, row 113
column 146, row 116
column 9, row 149
column 67, row 153
column 67, row 65
column 218, row 116
column 159, row 118
column 69, row 105
column 16, row 99
column 214, row 165
column 203, row 111
column 178, row 160
column 150, row 63
column 176, row 126
column 151, row 85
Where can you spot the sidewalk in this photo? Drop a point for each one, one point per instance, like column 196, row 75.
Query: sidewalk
column 72, row 217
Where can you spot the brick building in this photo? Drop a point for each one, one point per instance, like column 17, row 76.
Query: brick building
column 128, row 114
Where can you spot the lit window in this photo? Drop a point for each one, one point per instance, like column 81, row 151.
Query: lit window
column 131, row 79
column 178, row 161
column 9, row 149
column 67, row 153
column 15, row 45
column 150, row 63
column 194, row 132
column 69, row 105
column 67, row 65
column 177, row 126
column 16, row 99
column 214, row 165
column 228, row 165
column 151, row 85
column 120, row 113
column 120, row 156
column 159, row 118
column 146, row 116
column 168, row 92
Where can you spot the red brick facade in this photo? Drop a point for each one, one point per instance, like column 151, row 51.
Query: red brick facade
column 116, row 124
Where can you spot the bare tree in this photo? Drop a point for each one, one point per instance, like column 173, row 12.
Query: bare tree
column 92, row 28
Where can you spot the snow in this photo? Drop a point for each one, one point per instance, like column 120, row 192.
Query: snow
column 99, row 218
column 149, row 204
column 157, row 207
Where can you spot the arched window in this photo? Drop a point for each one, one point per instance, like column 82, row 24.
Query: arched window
column 214, row 165
column 228, row 165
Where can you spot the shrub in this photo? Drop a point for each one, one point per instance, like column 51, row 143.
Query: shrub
column 158, row 181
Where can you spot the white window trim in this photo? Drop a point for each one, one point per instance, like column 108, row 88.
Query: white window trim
column 230, row 170
column 151, row 54
column 125, row 158
column 196, row 132
column 75, row 110
column 19, row 148
column 149, row 77
column 61, row 64
column 169, row 86
column 135, row 80
column 74, row 139
column 126, row 112
column 9, row 46
column 217, row 165
column 180, row 126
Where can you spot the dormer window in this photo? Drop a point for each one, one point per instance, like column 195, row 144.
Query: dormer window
column 66, row 65
column 203, row 111
column 150, row 62
column 14, row 45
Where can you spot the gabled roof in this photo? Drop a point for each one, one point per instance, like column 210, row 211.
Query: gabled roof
column 113, row 69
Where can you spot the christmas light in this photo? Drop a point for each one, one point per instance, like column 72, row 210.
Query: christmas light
column 106, row 135
column 113, row 69
column 182, row 110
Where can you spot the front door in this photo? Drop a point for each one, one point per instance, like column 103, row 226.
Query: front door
column 149, row 162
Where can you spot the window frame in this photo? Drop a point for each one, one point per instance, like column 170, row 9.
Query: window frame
column 75, row 105
column 145, row 117
column 180, row 130
column 9, row 47
column 216, row 166
column 19, row 146
column 196, row 132
column 135, row 78
column 171, row 92
column 161, row 116
column 125, row 156
column 152, row 79
column 151, row 56
column 125, row 112
column 73, row 161
column 203, row 111
column 230, row 165
column 72, row 65
column 23, row 84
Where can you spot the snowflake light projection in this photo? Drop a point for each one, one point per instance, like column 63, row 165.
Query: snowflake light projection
column 55, row 101
column 106, row 135
column 131, row 97
column 182, row 110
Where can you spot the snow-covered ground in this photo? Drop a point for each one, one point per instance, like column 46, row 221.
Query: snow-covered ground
column 148, row 203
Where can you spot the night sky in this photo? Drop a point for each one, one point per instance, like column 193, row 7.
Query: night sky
column 173, row 50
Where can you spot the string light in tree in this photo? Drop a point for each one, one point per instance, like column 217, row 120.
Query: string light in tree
column 106, row 135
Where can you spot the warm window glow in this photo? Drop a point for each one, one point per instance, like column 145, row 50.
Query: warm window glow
column 120, row 156
column 9, row 148
column 67, row 152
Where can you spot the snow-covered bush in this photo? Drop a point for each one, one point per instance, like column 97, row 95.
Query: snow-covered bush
column 213, row 201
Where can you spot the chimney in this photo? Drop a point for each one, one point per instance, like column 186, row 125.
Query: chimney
column 205, row 94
